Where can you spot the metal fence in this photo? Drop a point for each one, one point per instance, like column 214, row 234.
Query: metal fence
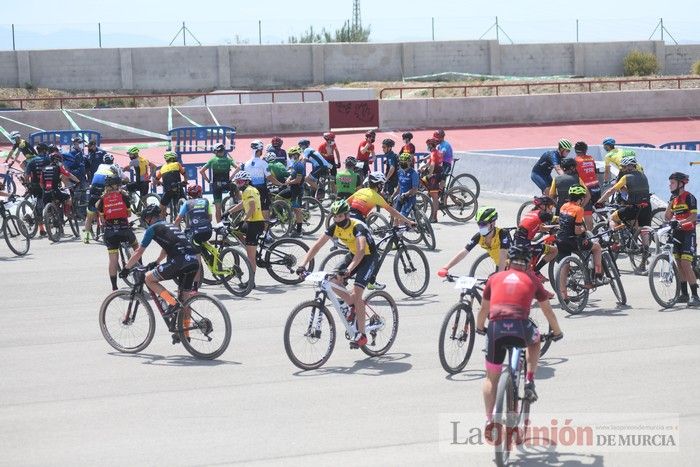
column 19, row 36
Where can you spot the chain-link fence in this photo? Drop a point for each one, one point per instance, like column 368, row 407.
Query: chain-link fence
column 264, row 31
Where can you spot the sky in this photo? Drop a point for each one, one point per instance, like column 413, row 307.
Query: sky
column 129, row 23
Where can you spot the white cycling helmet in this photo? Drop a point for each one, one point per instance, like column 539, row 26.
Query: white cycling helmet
column 15, row 134
column 242, row 175
column 376, row 177
column 257, row 145
column 629, row 160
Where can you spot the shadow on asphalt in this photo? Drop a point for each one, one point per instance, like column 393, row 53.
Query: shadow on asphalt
column 542, row 452
column 545, row 367
column 173, row 360
column 467, row 375
column 419, row 301
column 388, row 364
column 17, row 258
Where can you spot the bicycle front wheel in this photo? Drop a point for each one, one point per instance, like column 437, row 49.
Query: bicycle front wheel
column 127, row 323
column 282, row 258
column 333, row 261
column 16, row 235
column 467, row 181
column 204, row 327
column 614, row 276
column 460, row 203
column 411, row 270
column 483, row 267
column 309, row 335
column 663, row 280
column 426, row 229
column 28, row 213
column 381, row 323
column 313, row 215
column 456, row 338
column 236, row 272
column 574, row 283
column 280, row 219
column 53, row 222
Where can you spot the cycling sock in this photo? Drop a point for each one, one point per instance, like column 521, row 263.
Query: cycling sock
column 540, row 265
column 684, row 288
column 299, row 227
column 694, row 289
column 167, row 298
column 113, row 280
column 530, row 376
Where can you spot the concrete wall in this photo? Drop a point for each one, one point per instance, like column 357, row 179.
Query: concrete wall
column 295, row 65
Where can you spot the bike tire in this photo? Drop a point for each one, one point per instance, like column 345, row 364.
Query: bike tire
column 483, row 267
column 426, row 230
column 460, row 203
column 281, row 219
column 53, row 222
column 16, row 235
column 333, row 260
column 450, row 342
column 313, row 215
column 195, row 326
column 125, row 252
column 286, row 261
column 203, row 271
column 317, row 312
column 423, row 202
column 413, row 236
column 577, row 280
column 468, row 181
column 504, row 413
column 28, row 213
column 240, row 281
column 74, row 223
column 613, row 274
column 376, row 221
column 408, row 258
column 671, row 272
column 523, row 209
column 119, row 321
column 376, row 310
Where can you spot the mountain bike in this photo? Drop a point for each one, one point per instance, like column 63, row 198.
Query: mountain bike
column 309, row 334
column 55, row 218
column 422, row 232
column 457, row 201
column 229, row 266
column 411, row 268
column 14, row 230
column 664, row 275
column 30, row 212
column 7, row 179
column 312, row 212
column 127, row 321
column 466, row 180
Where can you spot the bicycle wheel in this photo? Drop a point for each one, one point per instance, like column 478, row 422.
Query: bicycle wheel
column 483, row 267
column 9, row 184
column 411, row 270
column 504, row 417
column 381, row 323
column 614, row 237
column 204, row 326
column 538, row 320
column 576, row 280
column 333, row 261
column 309, row 335
column 413, row 236
column 28, row 213
column 377, row 222
column 423, row 202
column 237, row 272
column 282, row 258
column 313, row 215
column 658, row 217
column 460, row 203
column 426, row 229
column 206, row 275
column 611, row 271
column 74, row 223
column 125, row 252
column 281, row 218
column 524, row 209
column 53, row 222
column 127, row 324
column 456, row 338
column 16, row 235
column 467, row 181
column 663, row 280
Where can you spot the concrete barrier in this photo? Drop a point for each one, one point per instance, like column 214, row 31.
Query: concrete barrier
column 499, row 174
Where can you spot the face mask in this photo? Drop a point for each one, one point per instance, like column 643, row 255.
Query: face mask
column 403, row 165
column 624, row 195
column 485, row 230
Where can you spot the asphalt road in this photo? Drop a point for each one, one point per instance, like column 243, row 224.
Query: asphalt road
column 66, row 397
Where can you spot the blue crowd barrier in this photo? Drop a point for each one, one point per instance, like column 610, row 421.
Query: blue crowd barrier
column 63, row 137
column 636, row 145
column 682, row 145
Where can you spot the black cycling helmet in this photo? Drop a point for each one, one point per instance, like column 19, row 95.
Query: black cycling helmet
column 581, row 147
column 679, row 176
column 408, row 135
column 152, row 210
column 543, row 201
column 388, row 142
column 519, row 252
column 568, row 164
column 112, row 180
column 42, row 147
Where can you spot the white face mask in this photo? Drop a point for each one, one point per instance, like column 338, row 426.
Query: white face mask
column 485, row 230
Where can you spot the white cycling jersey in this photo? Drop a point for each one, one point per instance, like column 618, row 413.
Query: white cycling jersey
column 258, row 170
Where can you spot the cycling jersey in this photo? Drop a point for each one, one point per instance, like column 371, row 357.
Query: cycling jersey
column 615, row 157
column 51, row 176
column 170, row 174
column 560, row 187
column 366, row 199
column 279, row 170
column 436, row 160
column 34, row 168
column 570, row 216
column 169, row 237
column 297, row 168
column 446, row 151
column 75, row 162
column 346, row 181
column 102, row 172
column 197, row 211
column 637, row 187
column 326, row 149
column 94, row 160
column 315, row 159
column 409, row 148
column 252, row 193
column 115, row 208
column 391, row 160
column 408, row 179
column 530, row 224
column 220, row 168
column 547, row 161
column 684, row 207
column 25, row 148
column 585, row 167
column 258, row 170
column 364, row 155
column 499, row 241
column 349, row 233
column 280, row 154
column 510, row 294
column 140, row 166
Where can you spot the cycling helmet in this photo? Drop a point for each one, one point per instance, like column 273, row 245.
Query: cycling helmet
column 339, row 207
column 577, row 192
column 276, row 142
column 609, row 141
column 432, row 142
column 388, row 142
column 15, row 135
column 567, row 163
column 679, row 176
column 113, row 180
column 219, row 147
column 408, row 135
column 304, row 143
column 581, row 147
column 170, row 156
column 52, row 148
column 257, row 145
column 543, row 201
column 77, row 139
column 351, row 161
column 194, row 191
column 371, row 134
column 439, row 134
column 42, row 147
column 565, row 144
column 405, row 157
column 519, row 252
column 486, row 214
column 270, row 156
column 151, row 210
column 628, row 160
column 133, row 151
column 242, row 175
column 329, row 136
column 56, row 157
column 108, row 159
column 375, row 178
column 294, row 151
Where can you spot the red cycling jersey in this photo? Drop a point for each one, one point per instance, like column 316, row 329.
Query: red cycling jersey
column 364, row 156
column 511, row 292
column 585, row 166
column 409, row 148
column 436, row 159
column 530, row 223
column 326, row 150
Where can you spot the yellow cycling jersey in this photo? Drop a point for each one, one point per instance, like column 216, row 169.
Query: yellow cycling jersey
column 500, row 241
column 349, row 233
column 140, row 165
column 366, row 199
column 615, row 156
column 252, row 193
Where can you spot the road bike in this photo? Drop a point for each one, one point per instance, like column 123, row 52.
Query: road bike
column 201, row 323
column 309, row 334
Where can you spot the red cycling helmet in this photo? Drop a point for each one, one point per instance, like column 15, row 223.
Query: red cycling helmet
column 194, row 191
column 432, row 142
column 329, row 136
column 276, row 142
column 371, row 134
column 439, row 134
column 541, row 201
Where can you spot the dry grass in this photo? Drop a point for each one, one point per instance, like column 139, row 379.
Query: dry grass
column 106, row 99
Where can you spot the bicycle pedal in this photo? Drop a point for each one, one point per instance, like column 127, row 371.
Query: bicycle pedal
column 176, row 339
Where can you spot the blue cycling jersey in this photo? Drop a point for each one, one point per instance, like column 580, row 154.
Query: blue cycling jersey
column 297, row 168
column 547, row 162
column 316, row 159
column 408, row 179
column 74, row 162
column 446, row 149
column 391, row 160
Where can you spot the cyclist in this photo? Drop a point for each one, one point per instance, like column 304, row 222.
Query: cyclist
column 75, row 161
column 542, row 170
column 445, row 149
column 506, row 302
column 614, row 156
column 19, row 145
column 197, row 212
column 280, row 154
column 94, row 158
column 633, row 187
column 533, row 222
column 140, row 167
column 51, row 176
column 32, row 173
column 571, row 238
column 277, row 169
column 365, row 153
column 295, row 184
column 494, row 240
column 408, row 146
column 682, row 212
column 320, row 167
column 254, row 221
column 585, row 166
column 260, row 174
column 97, row 187
column 432, row 175
column 329, row 150
column 391, row 166
column 408, row 185
column 559, row 188
column 113, row 205
column 173, row 177
column 347, row 180
column 220, row 166
column 181, row 263
column 360, row 262
column 365, row 199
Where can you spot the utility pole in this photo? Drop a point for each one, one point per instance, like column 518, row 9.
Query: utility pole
column 356, row 16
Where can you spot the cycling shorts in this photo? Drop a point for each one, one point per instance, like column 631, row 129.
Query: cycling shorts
column 253, row 230
column 318, row 172
column 364, row 271
column 505, row 333
column 95, row 195
column 595, row 196
column 642, row 214
column 446, row 169
column 57, row 195
column 114, row 237
column 141, row 187
column 405, row 207
column 684, row 247
column 183, row 268
column 218, row 189
column 172, row 195
column 264, row 197
column 432, row 183
column 570, row 247
column 542, row 181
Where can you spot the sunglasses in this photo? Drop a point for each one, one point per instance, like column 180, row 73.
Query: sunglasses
column 483, row 224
